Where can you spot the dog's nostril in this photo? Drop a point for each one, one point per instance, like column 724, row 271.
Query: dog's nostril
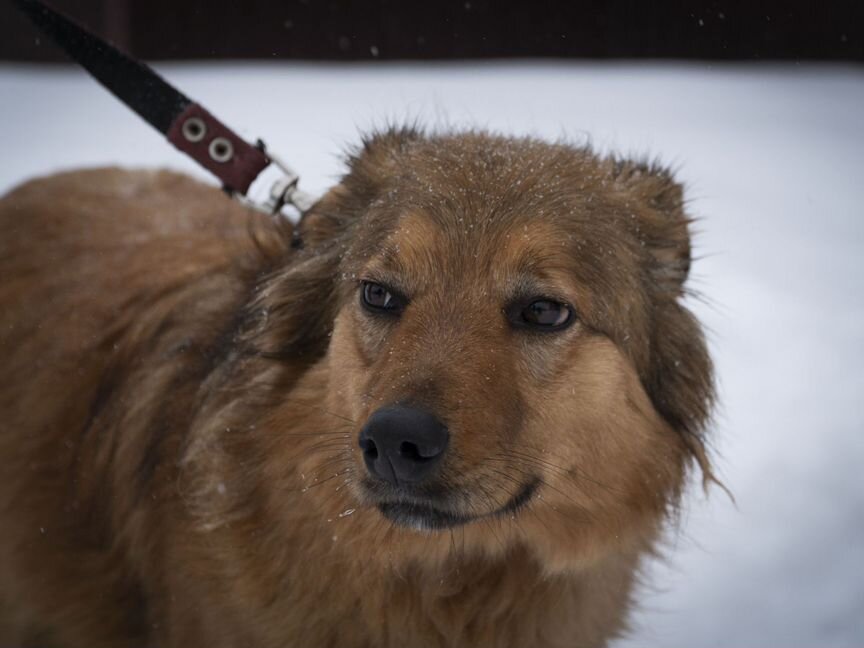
column 369, row 448
column 412, row 451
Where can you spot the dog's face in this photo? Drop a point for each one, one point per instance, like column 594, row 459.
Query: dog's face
column 507, row 343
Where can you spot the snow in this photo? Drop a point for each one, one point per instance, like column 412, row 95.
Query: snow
column 773, row 158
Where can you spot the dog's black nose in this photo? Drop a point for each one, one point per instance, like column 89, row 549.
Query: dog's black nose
column 403, row 444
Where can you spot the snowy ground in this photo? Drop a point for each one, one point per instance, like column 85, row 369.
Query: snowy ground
column 773, row 158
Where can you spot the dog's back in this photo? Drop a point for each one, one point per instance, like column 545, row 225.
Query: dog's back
column 100, row 268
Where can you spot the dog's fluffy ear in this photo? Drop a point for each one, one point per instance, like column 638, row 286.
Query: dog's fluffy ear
column 370, row 166
column 298, row 303
column 377, row 159
column 679, row 377
column 663, row 226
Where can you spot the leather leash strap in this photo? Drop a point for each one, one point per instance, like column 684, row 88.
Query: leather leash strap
column 186, row 124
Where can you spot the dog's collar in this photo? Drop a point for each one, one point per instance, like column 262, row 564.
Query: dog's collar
column 187, row 125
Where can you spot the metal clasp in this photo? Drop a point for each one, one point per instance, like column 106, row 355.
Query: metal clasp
column 280, row 182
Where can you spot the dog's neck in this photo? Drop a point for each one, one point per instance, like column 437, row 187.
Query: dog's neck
column 507, row 601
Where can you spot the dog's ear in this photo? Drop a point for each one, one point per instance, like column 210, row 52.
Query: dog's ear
column 370, row 168
column 663, row 227
column 379, row 158
column 679, row 376
column 295, row 308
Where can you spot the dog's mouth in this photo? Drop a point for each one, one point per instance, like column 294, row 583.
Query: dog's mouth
column 425, row 515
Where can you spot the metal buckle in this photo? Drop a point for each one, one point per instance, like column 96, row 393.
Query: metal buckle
column 280, row 182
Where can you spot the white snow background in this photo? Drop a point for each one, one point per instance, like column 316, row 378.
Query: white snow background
column 773, row 161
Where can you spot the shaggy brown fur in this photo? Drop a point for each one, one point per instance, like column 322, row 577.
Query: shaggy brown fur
column 182, row 386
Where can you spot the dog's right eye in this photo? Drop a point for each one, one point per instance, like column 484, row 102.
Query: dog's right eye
column 377, row 298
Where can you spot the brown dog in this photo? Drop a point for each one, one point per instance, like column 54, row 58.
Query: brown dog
column 453, row 408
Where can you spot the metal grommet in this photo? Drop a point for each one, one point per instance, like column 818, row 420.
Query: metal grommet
column 194, row 129
column 221, row 150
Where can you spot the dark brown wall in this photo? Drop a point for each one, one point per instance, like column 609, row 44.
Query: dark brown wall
column 408, row 29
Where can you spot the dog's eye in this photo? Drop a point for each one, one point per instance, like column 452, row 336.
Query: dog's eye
column 379, row 299
column 541, row 314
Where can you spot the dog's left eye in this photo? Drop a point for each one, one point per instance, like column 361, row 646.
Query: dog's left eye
column 541, row 314
column 379, row 299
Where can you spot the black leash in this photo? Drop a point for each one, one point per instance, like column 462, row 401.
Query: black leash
column 186, row 124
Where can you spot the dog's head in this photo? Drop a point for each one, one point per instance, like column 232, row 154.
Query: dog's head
column 504, row 347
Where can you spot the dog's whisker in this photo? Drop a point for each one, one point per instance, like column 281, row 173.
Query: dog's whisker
column 333, row 463
column 320, row 482
column 515, row 516
column 563, row 471
column 324, row 444
column 323, row 502
column 491, row 522
column 329, row 450
column 306, row 405
column 340, row 433
column 337, row 455
column 573, row 474
column 338, row 416
column 567, row 496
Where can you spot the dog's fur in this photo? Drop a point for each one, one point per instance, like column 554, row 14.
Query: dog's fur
column 183, row 381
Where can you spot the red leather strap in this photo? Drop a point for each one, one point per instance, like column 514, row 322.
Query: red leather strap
column 236, row 164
